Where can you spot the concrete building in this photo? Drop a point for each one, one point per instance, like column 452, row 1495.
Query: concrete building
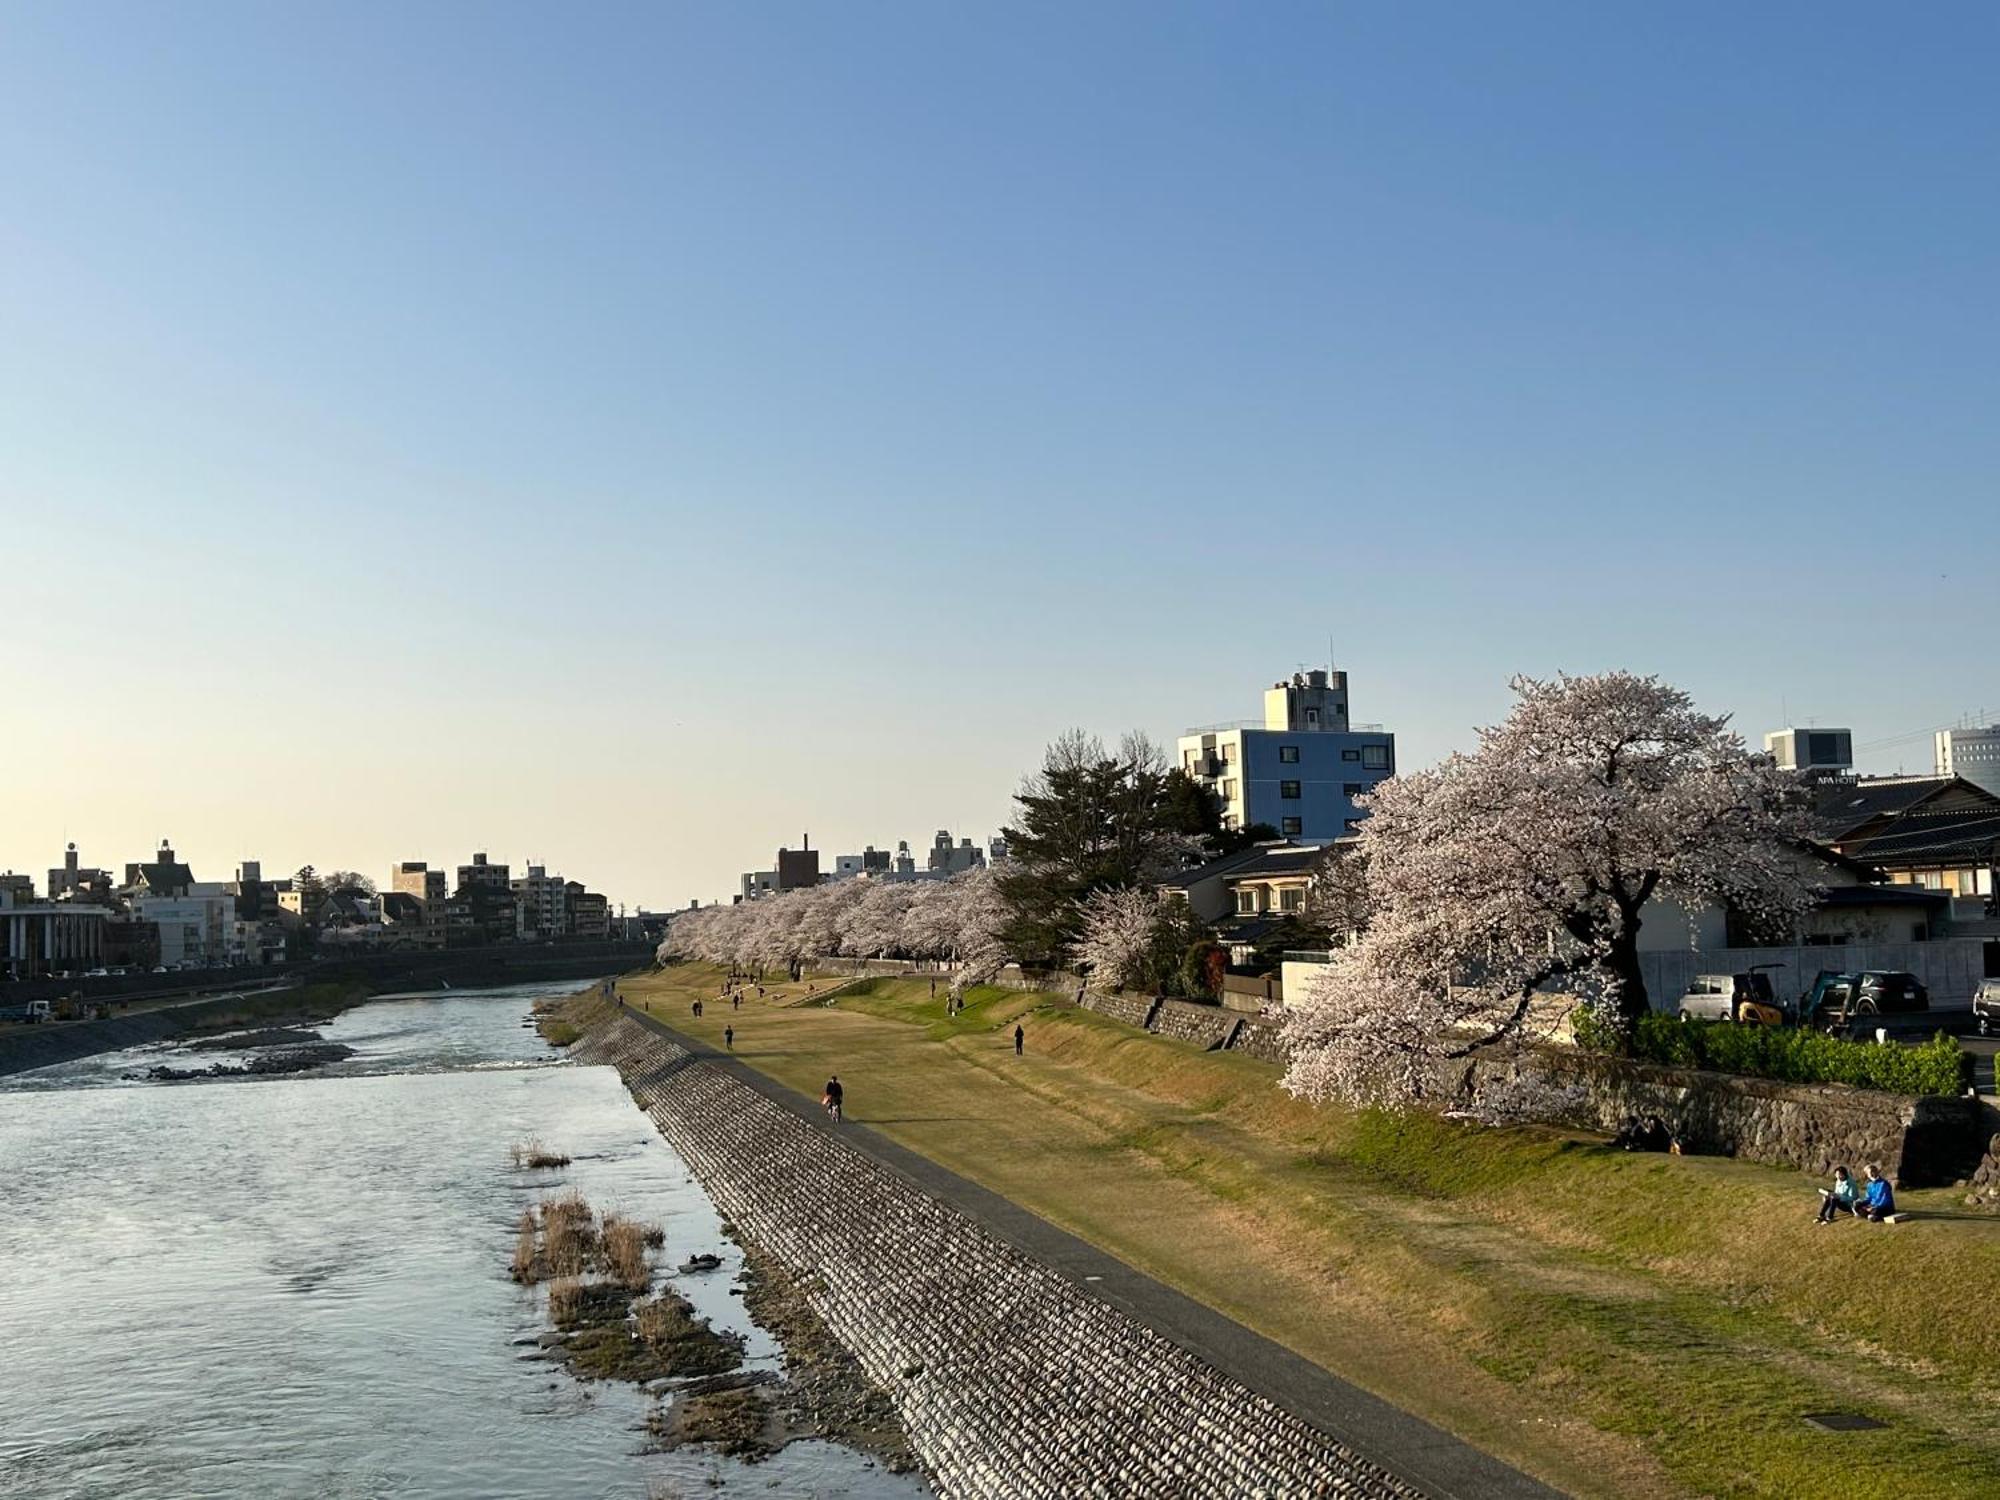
column 75, row 882
column 541, row 907
column 755, row 883
column 195, row 927
column 870, row 861
column 1973, row 754
column 1300, row 770
column 1811, row 749
column 417, row 880
column 948, row 859
column 487, row 894
column 798, row 868
column 906, row 862
column 49, row 937
column 589, row 913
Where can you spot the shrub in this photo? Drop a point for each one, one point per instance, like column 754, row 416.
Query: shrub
column 1791, row 1054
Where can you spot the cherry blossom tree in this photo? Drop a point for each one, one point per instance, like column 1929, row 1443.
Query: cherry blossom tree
column 1524, row 869
column 1120, row 929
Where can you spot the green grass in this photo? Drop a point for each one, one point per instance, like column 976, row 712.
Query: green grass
column 1622, row 1325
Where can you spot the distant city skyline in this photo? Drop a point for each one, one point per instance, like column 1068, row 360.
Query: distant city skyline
column 630, row 437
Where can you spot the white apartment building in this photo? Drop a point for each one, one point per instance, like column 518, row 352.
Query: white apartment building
column 1971, row 753
column 541, row 904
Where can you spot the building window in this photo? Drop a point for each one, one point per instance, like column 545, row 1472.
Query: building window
column 1228, row 791
column 1246, row 900
column 1228, row 751
column 1290, row 826
column 1289, row 790
column 1292, row 898
column 1289, row 754
column 1354, row 825
column 1188, row 760
column 1353, row 788
column 1375, row 757
column 1312, row 718
column 1350, row 755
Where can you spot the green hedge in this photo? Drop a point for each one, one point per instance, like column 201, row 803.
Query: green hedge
column 1793, row 1054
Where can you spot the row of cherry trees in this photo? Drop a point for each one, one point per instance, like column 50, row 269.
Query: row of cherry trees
column 957, row 920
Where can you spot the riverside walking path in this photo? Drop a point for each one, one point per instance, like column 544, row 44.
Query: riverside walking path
column 1422, row 1456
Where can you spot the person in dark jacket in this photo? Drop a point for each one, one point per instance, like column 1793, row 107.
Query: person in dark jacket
column 1019, row 1037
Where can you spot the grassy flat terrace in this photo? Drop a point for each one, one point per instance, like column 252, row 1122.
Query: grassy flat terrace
column 1619, row 1325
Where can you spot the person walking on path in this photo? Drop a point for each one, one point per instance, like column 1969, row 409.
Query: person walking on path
column 832, row 1099
column 736, row 1002
column 729, row 1037
column 1019, row 1037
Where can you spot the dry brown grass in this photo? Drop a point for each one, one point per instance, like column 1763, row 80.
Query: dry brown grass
column 624, row 1248
column 566, row 1301
column 526, row 1267
column 534, row 1156
column 569, row 1234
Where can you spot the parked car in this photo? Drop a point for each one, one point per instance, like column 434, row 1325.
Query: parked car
column 1843, row 1003
column 1731, row 997
column 1986, row 1005
column 96, row 973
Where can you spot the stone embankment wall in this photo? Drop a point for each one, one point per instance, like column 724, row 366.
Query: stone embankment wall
column 1206, row 1026
column 1011, row 1380
column 1917, row 1142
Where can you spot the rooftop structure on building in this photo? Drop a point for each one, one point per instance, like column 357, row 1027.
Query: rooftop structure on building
column 1811, row 749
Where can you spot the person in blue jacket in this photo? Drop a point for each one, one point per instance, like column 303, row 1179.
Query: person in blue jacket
column 1877, row 1201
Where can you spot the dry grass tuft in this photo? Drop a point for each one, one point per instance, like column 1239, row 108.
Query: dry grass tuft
column 533, row 1155
column 526, row 1268
column 566, row 1301
column 569, row 1236
column 625, row 1257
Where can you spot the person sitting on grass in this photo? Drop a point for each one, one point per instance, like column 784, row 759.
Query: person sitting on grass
column 1878, row 1202
column 1838, row 1199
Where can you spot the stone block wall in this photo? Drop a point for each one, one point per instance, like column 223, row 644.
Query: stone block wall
column 1261, row 1039
column 1207, row 1026
column 1814, row 1127
column 1133, row 1010
column 1013, row 1382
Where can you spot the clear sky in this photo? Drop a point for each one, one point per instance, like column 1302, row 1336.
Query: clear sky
column 631, row 435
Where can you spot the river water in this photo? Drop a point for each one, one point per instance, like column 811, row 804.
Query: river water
column 297, row 1285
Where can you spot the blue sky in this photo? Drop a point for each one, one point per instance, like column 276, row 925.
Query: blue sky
column 630, row 435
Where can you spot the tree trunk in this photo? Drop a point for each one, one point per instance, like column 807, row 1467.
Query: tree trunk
column 1626, row 983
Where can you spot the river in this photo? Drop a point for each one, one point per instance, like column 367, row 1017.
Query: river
column 297, row 1285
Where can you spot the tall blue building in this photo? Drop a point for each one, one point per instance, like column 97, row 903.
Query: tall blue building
column 1301, row 767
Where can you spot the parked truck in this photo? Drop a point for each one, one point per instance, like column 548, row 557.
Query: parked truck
column 31, row 1013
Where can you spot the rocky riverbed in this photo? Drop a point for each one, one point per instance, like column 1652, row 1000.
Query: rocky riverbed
column 278, row 1050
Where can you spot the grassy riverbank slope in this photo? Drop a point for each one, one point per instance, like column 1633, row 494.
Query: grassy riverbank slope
column 1619, row 1325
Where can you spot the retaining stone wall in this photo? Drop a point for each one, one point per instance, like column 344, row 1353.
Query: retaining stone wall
column 1207, row 1026
column 1918, row 1142
column 1133, row 1010
column 1261, row 1039
column 1013, row 1382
